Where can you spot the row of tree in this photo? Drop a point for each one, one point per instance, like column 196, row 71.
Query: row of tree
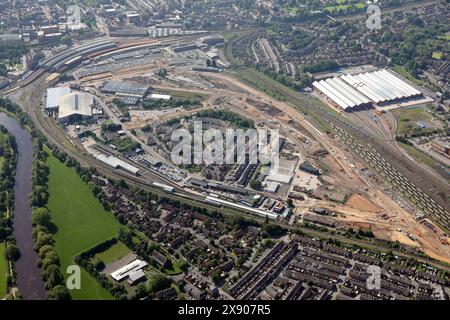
column 8, row 157
column 44, row 228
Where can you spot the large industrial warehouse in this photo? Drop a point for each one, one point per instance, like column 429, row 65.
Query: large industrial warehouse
column 352, row 92
column 75, row 107
column 122, row 88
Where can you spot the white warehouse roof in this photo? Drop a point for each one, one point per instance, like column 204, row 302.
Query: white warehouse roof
column 160, row 96
column 350, row 91
column 117, row 163
column 381, row 86
column 75, row 104
column 53, row 95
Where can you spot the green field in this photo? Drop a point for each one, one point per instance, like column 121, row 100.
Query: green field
column 437, row 55
column 114, row 253
column 3, row 271
column 81, row 221
column 407, row 120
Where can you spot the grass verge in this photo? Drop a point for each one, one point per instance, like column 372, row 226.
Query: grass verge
column 81, row 224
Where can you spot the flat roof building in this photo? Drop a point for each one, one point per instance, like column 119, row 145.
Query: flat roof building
column 157, row 96
column 123, row 88
column 117, row 163
column 53, row 95
column 213, row 40
column 75, row 107
column 186, row 47
column 128, row 270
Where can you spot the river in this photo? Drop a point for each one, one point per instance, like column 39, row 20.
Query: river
column 29, row 279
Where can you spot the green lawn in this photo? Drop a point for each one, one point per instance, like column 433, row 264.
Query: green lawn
column 114, row 253
column 3, row 270
column 437, row 55
column 175, row 269
column 407, row 120
column 81, row 221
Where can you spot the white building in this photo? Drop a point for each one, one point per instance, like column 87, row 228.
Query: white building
column 53, row 95
column 117, row 163
column 74, row 107
column 350, row 92
column 129, row 270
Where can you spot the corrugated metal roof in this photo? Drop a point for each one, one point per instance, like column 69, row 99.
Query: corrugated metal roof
column 330, row 95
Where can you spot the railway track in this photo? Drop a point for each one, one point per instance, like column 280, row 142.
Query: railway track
column 74, row 150
column 397, row 180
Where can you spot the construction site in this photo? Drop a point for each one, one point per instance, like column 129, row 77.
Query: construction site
column 146, row 88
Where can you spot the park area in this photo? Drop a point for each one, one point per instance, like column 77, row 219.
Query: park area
column 81, row 224
column 413, row 121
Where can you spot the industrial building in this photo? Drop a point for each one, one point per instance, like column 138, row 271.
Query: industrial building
column 213, row 40
column 259, row 212
column 65, row 59
column 353, row 92
column 206, row 69
column 74, row 107
column 158, row 96
column 342, row 94
column 186, row 47
column 123, row 88
column 53, row 95
column 117, row 163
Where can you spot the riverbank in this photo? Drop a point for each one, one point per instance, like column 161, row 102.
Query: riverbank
column 29, row 279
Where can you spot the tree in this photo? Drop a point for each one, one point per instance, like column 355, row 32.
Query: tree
column 12, row 252
column 43, row 239
column 98, row 264
column 65, row 39
column 273, row 230
column 50, row 258
column 42, row 217
column 216, row 276
column 184, row 266
column 256, row 184
column 290, row 203
column 157, row 283
column 52, row 276
column 141, row 291
column 59, row 292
